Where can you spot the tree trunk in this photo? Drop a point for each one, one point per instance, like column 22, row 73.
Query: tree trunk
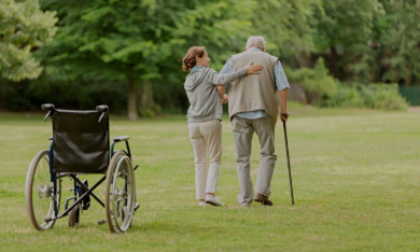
column 132, row 100
column 305, row 61
column 146, row 103
column 407, row 78
column 333, row 64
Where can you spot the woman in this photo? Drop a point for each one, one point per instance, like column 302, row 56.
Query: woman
column 205, row 90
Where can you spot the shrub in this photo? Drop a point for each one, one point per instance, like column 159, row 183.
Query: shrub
column 375, row 96
column 30, row 95
column 346, row 97
column 318, row 83
column 383, row 96
column 324, row 91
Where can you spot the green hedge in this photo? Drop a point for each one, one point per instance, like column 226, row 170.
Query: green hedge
column 375, row 96
column 85, row 95
column 30, row 95
column 321, row 90
column 411, row 94
column 324, row 91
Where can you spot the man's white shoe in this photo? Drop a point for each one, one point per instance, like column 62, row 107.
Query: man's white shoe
column 202, row 203
column 213, row 200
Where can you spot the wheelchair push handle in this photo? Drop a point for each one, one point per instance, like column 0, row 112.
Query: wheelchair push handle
column 47, row 106
column 104, row 109
column 50, row 107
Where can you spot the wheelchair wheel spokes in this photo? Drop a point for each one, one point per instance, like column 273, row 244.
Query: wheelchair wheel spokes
column 39, row 192
column 120, row 193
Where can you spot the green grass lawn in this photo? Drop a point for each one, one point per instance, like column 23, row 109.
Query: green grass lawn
column 356, row 176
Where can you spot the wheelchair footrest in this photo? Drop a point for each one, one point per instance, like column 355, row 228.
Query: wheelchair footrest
column 100, row 222
column 136, row 206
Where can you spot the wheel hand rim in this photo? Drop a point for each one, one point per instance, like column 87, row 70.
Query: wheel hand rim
column 42, row 199
column 39, row 192
column 120, row 214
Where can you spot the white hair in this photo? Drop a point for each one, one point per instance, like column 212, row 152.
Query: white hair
column 256, row 41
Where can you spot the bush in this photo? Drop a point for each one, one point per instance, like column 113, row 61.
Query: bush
column 318, row 84
column 383, row 96
column 324, row 91
column 30, row 95
column 375, row 96
column 346, row 97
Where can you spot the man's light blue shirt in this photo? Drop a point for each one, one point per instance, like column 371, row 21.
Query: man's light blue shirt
column 279, row 78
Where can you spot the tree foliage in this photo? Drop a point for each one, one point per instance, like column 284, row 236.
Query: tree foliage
column 286, row 25
column 343, row 30
column 23, row 29
column 138, row 45
column 398, row 35
column 139, row 41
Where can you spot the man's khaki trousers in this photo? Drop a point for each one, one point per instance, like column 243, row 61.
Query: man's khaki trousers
column 243, row 130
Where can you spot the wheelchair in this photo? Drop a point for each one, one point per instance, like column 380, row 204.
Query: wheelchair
column 80, row 145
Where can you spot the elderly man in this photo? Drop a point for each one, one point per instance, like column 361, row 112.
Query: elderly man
column 253, row 108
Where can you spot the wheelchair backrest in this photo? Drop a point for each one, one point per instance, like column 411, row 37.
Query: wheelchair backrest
column 80, row 142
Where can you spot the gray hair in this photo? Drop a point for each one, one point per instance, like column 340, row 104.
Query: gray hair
column 256, row 41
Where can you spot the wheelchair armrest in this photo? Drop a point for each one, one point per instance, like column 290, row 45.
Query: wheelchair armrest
column 121, row 138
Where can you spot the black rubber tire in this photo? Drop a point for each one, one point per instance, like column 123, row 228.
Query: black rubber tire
column 38, row 190
column 119, row 216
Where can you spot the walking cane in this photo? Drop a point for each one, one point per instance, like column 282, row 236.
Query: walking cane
column 288, row 162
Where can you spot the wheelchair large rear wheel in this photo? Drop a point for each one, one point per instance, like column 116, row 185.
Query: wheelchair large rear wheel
column 120, row 194
column 39, row 192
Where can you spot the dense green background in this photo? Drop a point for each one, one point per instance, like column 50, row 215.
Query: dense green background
column 128, row 54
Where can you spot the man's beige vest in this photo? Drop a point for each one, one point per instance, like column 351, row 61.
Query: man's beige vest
column 255, row 91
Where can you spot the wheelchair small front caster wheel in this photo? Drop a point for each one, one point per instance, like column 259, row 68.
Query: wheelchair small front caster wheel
column 74, row 217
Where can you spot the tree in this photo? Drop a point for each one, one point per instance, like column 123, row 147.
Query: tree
column 398, row 35
column 139, row 41
column 286, row 25
column 343, row 31
column 23, row 29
